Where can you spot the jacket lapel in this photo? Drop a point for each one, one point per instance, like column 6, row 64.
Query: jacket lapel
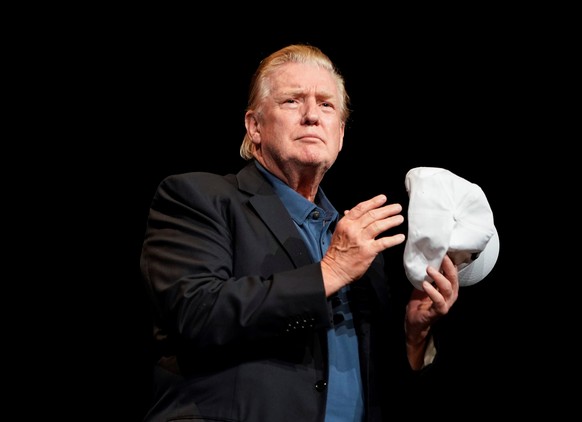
column 270, row 208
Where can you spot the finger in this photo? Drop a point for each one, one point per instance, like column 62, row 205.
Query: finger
column 441, row 283
column 373, row 232
column 380, row 219
column 447, row 280
column 451, row 271
column 438, row 301
column 365, row 206
column 389, row 241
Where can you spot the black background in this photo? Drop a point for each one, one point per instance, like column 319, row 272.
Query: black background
column 161, row 96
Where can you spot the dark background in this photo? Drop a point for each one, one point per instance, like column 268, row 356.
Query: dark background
column 168, row 97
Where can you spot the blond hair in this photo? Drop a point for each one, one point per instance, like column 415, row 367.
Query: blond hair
column 296, row 53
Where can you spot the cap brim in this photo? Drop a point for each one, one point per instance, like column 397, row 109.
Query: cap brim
column 482, row 266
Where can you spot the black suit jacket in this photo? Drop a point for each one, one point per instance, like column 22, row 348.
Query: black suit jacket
column 240, row 311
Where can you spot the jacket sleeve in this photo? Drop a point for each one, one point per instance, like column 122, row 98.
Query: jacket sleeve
column 216, row 273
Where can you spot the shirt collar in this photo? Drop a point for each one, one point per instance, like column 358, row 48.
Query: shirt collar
column 298, row 207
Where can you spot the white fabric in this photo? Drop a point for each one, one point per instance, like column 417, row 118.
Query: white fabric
column 447, row 214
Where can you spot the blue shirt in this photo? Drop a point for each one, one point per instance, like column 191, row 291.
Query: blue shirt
column 315, row 223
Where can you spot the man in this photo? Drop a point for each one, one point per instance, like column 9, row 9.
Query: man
column 269, row 306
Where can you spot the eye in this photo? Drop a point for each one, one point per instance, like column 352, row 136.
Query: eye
column 327, row 107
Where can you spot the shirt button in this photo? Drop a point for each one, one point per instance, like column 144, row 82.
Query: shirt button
column 315, row 215
column 320, row 385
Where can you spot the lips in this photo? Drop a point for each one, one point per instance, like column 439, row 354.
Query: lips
column 311, row 138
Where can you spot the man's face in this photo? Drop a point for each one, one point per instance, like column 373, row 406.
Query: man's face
column 299, row 123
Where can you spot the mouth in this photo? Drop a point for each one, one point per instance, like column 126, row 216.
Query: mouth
column 310, row 138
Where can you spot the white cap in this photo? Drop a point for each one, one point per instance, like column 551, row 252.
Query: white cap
column 448, row 215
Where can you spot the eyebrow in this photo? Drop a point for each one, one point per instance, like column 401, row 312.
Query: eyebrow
column 326, row 94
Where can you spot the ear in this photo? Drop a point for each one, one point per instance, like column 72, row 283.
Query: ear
column 342, row 131
column 252, row 125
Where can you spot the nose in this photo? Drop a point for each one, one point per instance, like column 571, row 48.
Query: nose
column 311, row 114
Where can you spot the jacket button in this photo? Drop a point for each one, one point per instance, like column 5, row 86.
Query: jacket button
column 320, row 385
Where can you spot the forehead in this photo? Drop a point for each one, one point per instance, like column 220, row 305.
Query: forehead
column 302, row 76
